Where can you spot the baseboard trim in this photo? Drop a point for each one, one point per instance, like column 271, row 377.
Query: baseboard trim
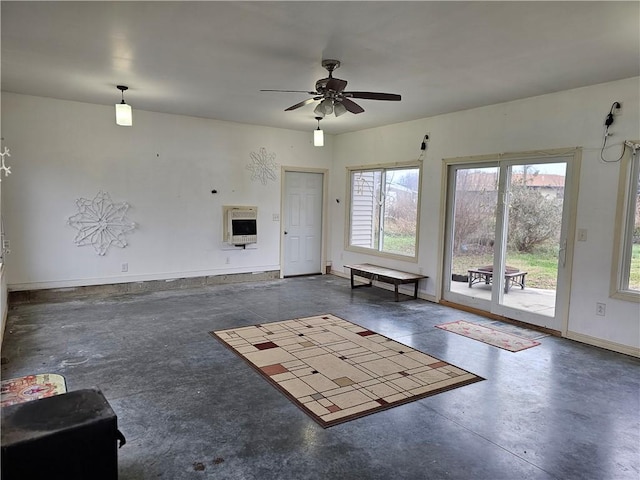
column 131, row 278
column 69, row 293
column 606, row 344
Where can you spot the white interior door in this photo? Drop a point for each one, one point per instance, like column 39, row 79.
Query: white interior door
column 302, row 225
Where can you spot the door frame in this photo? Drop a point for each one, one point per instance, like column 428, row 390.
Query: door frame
column 325, row 194
column 573, row 158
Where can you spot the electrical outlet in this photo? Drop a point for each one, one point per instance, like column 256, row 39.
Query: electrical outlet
column 276, row 217
column 125, row 267
column 6, row 245
column 601, row 309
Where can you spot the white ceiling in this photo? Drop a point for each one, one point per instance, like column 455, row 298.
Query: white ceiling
column 210, row 59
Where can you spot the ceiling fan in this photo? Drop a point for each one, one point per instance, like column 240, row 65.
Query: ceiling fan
column 332, row 96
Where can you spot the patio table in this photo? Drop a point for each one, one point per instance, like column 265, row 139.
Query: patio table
column 512, row 276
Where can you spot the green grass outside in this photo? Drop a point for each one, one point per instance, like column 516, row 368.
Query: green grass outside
column 402, row 244
column 541, row 267
column 634, row 274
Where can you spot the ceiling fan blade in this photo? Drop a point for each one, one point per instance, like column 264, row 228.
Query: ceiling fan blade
column 353, row 107
column 302, row 104
column 336, row 84
column 292, row 91
column 373, row 96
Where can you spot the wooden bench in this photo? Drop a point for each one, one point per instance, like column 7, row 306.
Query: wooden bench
column 512, row 276
column 386, row 275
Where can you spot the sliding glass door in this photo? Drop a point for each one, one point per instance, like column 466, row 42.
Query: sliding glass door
column 508, row 230
column 473, row 203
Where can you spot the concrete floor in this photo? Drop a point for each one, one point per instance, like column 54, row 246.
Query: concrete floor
column 191, row 409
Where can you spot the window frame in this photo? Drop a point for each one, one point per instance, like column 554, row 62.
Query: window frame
column 349, row 212
column 624, row 226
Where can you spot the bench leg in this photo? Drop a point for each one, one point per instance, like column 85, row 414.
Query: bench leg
column 358, row 274
column 415, row 292
column 396, row 290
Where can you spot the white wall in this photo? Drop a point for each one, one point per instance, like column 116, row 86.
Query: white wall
column 565, row 119
column 164, row 167
column 4, row 307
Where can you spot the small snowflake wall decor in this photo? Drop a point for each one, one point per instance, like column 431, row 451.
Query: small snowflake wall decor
column 101, row 223
column 3, row 167
column 262, row 166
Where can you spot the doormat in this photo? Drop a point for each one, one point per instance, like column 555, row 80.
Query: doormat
column 336, row 371
column 516, row 330
column 31, row 387
column 489, row 335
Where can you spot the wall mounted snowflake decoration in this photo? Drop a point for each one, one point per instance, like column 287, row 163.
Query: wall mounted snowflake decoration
column 262, row 166
column 101, row 223
column 3, row 167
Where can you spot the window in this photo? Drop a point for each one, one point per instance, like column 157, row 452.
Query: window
column 626, row 261
column 384, row 210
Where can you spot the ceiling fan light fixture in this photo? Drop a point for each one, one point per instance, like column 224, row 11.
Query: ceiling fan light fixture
column 333, row 97
column 339, row 109
column 318, row 135
column 124, row 115
column 325, row 107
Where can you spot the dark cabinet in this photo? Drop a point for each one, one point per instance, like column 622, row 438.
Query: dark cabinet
column 72, row 436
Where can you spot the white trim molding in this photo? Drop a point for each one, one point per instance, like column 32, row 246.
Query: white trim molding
column 597, row 342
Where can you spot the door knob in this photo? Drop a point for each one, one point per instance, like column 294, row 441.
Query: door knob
column 285, row 232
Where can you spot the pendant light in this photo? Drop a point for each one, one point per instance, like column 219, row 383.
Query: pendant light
column 124, row 117
column 318, row 135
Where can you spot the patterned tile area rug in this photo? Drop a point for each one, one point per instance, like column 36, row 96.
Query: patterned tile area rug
column 337, row 371
column 483, row 333
column 31, row 387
